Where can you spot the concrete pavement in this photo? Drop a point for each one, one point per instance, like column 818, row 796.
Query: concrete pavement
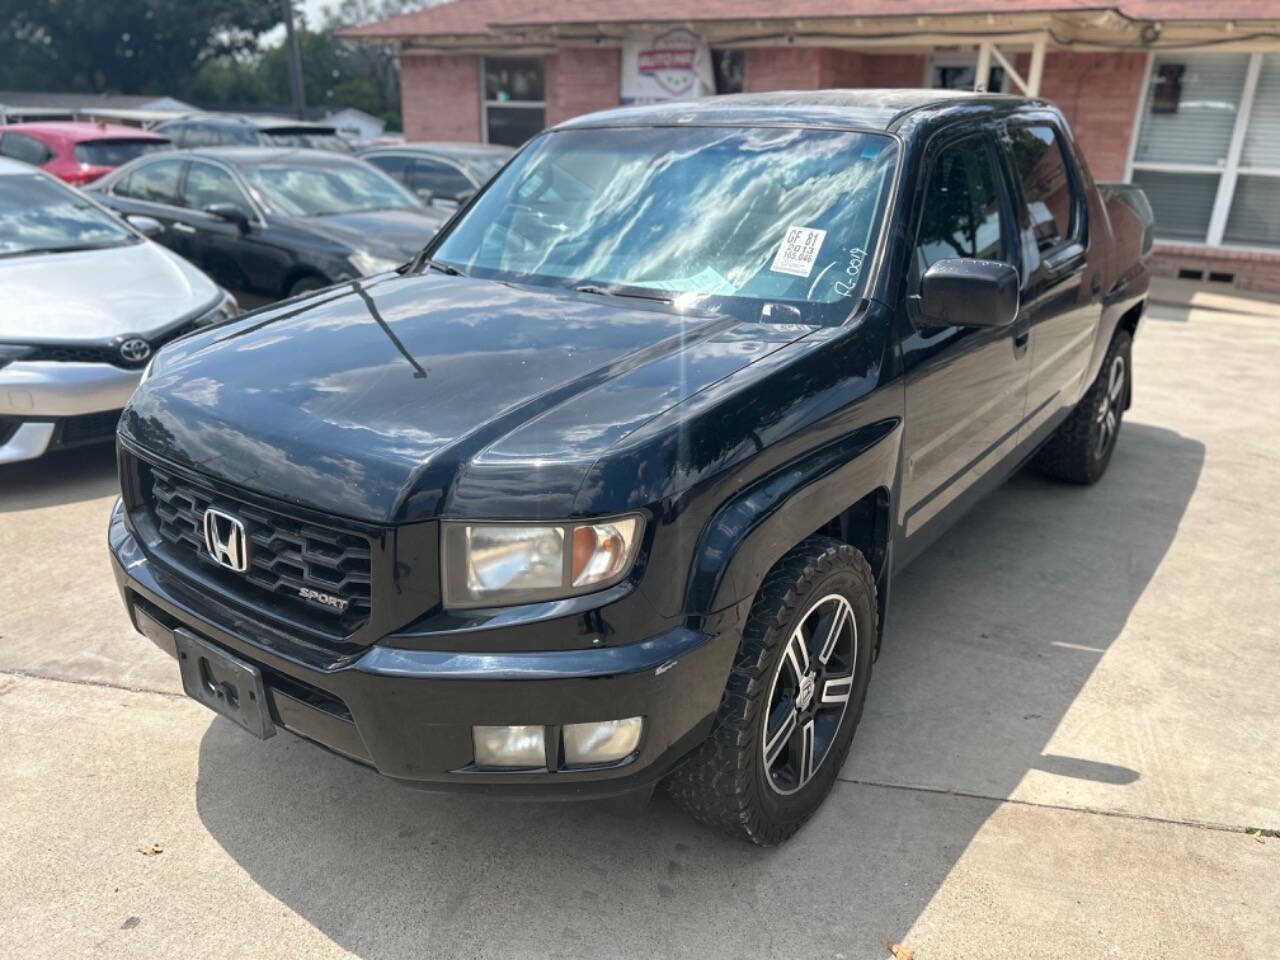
column 1072, row 725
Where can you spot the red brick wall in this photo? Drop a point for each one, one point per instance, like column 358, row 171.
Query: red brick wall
column 783, row 68
column 1254, row 270
column 440, row 97
column 816, row 68
column 582, row 79
column 1099, row 93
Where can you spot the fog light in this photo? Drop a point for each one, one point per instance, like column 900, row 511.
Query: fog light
column 510, row 746
column 602, row 742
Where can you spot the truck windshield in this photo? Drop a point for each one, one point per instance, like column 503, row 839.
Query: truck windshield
column 738, row 218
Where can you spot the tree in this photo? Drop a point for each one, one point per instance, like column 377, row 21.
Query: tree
column 124, row 46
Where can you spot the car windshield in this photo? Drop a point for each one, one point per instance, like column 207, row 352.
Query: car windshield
column 315, row 190
column 734, row 219
column 115, row 153
column 40, row 215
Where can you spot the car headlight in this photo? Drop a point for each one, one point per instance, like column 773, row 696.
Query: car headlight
column 495, row 564
column 367, row 264
column 225, row 310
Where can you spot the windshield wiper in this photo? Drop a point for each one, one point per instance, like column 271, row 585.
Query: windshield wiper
column 442, row 267
column 617, row 290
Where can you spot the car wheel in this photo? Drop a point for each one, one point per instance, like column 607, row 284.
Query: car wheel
column 1081, row 448
column 306, row 285
column 793, row 700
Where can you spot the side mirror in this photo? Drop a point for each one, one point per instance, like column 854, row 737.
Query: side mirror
column 968, row 293
column 230, row 213
column 425, row 195
column 147, row 226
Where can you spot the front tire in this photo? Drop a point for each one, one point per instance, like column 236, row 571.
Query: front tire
column 1080, row 450
column 793, row 700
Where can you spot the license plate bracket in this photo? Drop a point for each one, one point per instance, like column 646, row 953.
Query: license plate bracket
column 224, row 683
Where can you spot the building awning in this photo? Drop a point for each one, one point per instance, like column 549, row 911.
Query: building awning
column 892, row 25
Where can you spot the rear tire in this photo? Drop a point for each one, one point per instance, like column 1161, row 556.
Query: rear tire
column 1080, row 450
column 793, row 700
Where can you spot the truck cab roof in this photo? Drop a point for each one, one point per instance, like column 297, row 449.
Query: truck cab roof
column 837, row 109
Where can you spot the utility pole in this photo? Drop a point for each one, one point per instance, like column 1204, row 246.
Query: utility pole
column 295, row 61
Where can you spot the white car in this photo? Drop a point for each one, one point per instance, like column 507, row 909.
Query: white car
column 87, row 301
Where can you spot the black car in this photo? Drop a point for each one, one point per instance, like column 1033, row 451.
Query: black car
column 249, row 130
column 267, row 222
column 442, row 171
column 612, row 486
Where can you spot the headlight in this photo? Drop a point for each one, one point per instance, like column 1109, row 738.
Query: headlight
column 494, row 564
column 225, row 310
column 367, row 264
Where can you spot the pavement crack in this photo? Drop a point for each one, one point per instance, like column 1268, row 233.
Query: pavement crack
column 78, row 681
column 1092, row 811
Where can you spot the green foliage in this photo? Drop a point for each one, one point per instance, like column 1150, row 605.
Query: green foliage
column 124, row 46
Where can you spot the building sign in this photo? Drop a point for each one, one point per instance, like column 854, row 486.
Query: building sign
column 671, row 65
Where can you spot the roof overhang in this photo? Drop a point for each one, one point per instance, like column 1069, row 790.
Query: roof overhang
column 1098, row 29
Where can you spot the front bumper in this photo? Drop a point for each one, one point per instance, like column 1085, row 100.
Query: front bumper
column 40, row 400
column 408, row 713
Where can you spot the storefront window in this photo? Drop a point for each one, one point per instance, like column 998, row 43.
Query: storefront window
column 514, row 99
column 730, row 69
column 1208, row 147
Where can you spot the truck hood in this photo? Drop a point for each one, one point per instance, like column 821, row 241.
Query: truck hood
column 99, row 294
column 411, row 397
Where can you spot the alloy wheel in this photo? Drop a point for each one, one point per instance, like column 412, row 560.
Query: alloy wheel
column 809, row 694
column 1110, row 408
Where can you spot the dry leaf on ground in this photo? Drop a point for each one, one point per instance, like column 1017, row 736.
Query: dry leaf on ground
column 151, row 849
column 899, row 951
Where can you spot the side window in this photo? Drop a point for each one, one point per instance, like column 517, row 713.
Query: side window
column 445, row 181
column 237, row 133
column 153, row 182
column 27, row 149
column 207, row 185
column 1041, row 168
column 961, row 215
column 395, row 166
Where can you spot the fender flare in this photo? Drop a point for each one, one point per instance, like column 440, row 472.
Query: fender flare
column 749, row 533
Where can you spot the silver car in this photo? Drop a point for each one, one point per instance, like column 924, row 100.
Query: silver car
column 87, row 300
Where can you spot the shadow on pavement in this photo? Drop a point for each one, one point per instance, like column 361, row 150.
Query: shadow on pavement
column 969, row 688
column 65, row 476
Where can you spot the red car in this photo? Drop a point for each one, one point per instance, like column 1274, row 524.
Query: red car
column 78, row 153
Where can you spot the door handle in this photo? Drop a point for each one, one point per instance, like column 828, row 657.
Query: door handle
column 183, row 228
column 1095, row 285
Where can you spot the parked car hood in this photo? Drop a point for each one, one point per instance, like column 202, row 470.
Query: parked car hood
column 393, row 234
column 92, row 295
column 409, row 397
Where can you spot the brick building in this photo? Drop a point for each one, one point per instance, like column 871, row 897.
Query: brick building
column 1180, row 96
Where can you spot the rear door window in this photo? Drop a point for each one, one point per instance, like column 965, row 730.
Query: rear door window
column 395, row 165
column 961, row 217
column 155, row 182
column 19, row 146
column 1048, row 190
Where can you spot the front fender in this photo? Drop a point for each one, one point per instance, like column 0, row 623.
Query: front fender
column 752, row 531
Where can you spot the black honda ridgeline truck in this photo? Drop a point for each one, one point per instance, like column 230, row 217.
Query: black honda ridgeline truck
column 609, row 484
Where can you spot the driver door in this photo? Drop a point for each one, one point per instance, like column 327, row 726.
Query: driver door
column 215, row 245
column 966, row 387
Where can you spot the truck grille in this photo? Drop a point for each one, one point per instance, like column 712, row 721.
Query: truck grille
column 286, row 556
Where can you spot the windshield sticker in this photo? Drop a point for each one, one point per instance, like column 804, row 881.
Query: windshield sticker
column 798, row 251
